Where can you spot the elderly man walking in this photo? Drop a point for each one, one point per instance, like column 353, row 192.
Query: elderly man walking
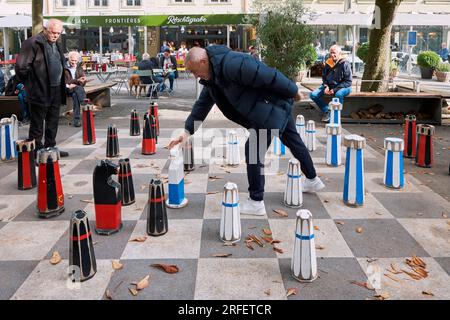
column 257, row 97
column 336, row 81
column 40, row 67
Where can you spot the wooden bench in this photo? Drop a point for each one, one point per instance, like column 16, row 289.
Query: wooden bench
column 99, row 94
column 10, row 105
column 427, row 104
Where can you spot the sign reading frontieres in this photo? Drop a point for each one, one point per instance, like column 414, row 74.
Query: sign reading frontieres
column 186, row 20
column 154, row 20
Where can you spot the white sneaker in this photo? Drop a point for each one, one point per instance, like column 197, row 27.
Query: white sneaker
column 313, row 185
column 253, row 207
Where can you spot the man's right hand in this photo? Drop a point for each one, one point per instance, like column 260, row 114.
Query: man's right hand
column 71, row 86
column 181, row 139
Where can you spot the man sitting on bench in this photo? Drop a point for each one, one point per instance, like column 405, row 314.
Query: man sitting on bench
column 75, row 82
column 336, row 81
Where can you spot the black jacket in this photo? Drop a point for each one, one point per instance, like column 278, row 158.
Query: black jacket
column 32, row 70
column 337, row 76
column 147, row 64
column 79, row 72
column 247, row 92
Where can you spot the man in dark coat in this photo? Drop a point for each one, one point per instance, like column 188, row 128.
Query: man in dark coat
column 75, row 79
column 258, row 98
column 39, row 67
column 336, row 81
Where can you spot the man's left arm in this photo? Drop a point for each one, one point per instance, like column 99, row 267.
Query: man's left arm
column 246, row 71
column 346, row 79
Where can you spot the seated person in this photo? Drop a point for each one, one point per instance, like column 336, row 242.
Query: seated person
column 75, row 81
column 22, row 96
column 148, row 63
column 168, row 63
column 443, row 52
column 336, row 81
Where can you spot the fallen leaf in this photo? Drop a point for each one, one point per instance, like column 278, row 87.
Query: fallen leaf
column 444, row 215
column 168, row 268
column 382, row 296
column 214, row 178
column 413, row 275
column 326, row 200
column 139, row 239
column 394, row 269
column 267, row 239
column 281, row 213
column 421, row 272
column 108, row 295
column 256, row 239
column 291, row 292
column 319, row 247
column 278, row 250
column 222, row 255
column 87, row 201
column 117, row 265
column 275, row 241
column 267, row 231
column 215, row 192
column 143, row 283
column 248, row 245
column 391, row 277
column 427, row 293
column 362, row 284
column 340, row 222
column 268, row 292
column 56, row 258
column 379, row 213
column 419, row 262
column 359, row 230
column 370, row 260
column 133, row 291
column 229, row 244
column 316, row 228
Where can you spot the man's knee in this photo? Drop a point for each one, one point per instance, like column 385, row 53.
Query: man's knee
column 342, row 93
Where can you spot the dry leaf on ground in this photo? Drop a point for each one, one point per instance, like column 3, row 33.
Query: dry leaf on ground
column 319, row 247
column 108, row 295
column 248, row 245
column 267, row 231
column 222, row 255
column 281, row 213
column 382, row 296
column 56, row 258
column 359, row 230
column 391, row 277
column 268, row 292
column 278, row 250
column 229, row 244
column 143, row 283
column 116, row 265
column 291, row 292
column 133, row 291
column 427, row 293
column 168, row 268
column 139, row 239
column 340, row 222
column 267, row 239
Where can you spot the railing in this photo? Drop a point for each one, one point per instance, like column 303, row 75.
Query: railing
column 415, row 83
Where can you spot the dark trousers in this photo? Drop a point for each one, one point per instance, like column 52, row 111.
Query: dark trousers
column 49, row 114
column 256, row 148
column 78, row 95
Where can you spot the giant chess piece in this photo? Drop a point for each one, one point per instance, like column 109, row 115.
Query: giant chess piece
column 354, row 170
column 176, row 197
column 126, row 182
column 135, row 129
column 188, row 155
column 393, row 163
column 304, row 261
column 88, row 123
column 293, row 196
column 230, row 221
column 112, row 142
column 149, row 135
column 232, row 150
column 156, row 213
column 107, row 198
column 279, row 148
column 8, row 137
column 409, row 136
column 300, row 126
column 333, row 154
column 26, row 164
column 153, row 111
column 424, row 152
column 335, row 111
column 311, row 135
column 50, row 198
column 82, row 262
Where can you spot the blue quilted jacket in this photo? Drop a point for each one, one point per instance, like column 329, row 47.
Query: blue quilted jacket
column 246, row 91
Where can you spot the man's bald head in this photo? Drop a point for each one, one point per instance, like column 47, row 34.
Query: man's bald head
column 53, row 29
column 197, row 61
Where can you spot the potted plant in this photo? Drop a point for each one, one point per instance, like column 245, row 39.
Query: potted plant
column 428, row 61
column 362, row 51
column 443, row 72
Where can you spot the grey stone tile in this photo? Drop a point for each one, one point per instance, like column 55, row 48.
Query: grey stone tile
column 14, row 273
column 335, row 275
column 274, row 200
column 238, row 178
column 194, row 209
column 161, row 153
column 78, row 153
column 444, row 263
column 385, row 238
column 85, row 167
column 163, row 286
column 211, row 243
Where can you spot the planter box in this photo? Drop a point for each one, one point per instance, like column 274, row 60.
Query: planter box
column 442, row 76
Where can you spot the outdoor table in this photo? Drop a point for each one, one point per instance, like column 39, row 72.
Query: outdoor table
column 103, row 76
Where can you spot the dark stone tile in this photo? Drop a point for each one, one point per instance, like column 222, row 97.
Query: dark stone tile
column 194, row 209
column 274, row 200
column 14, row 273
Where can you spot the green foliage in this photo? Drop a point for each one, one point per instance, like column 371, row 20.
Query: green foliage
column 362, row 51
column 443, row 67
column 285, row 42
column 428, row 59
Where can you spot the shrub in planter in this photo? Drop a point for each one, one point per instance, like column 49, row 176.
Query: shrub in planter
column 443, row 72
column 362, row 51
column 428, row 61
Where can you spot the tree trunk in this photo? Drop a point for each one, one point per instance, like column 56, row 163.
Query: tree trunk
column 379, row 54
column 37, row 16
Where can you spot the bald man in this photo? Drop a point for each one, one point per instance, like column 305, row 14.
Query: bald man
column 256, row 97
column 336, row 81
column 40, row 66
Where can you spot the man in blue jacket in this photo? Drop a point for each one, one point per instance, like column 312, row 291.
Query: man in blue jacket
column 256, row 97
column 337, row 81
